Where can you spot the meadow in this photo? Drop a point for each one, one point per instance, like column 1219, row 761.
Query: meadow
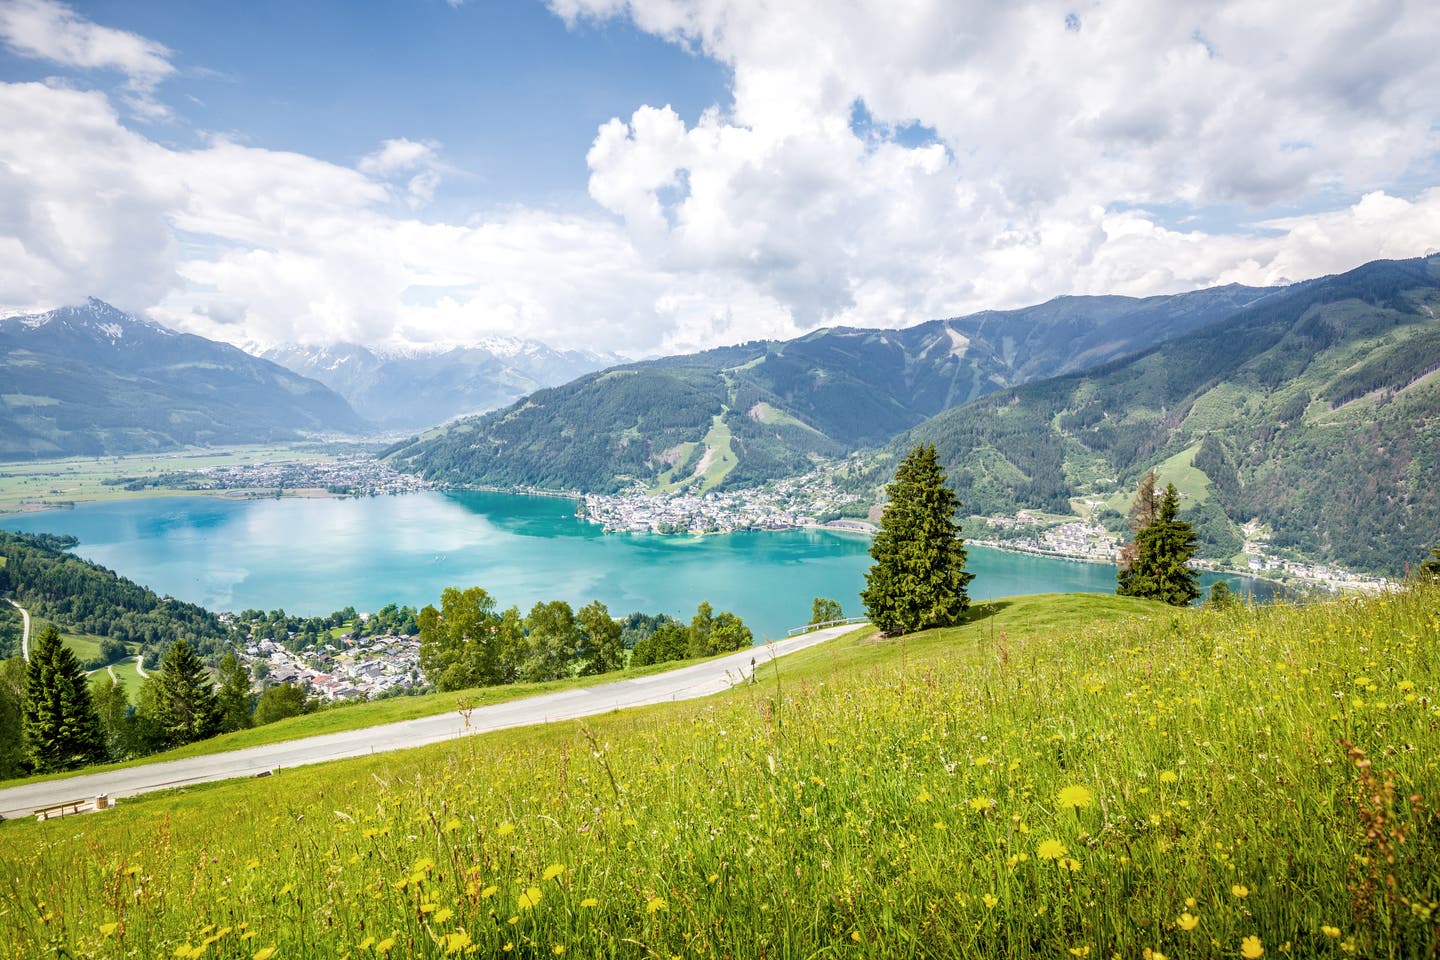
column 1060, row 777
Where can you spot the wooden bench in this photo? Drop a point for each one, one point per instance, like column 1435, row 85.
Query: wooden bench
column 61, row 809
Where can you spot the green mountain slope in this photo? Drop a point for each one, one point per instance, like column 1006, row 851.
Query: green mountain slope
column 93, row 380
column 741, row 415
column 1315, row 411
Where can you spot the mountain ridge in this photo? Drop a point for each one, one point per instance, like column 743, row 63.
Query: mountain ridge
column 92, row 380
column 746, row 413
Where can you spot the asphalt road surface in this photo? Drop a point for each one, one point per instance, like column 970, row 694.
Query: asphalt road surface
column 697, row 680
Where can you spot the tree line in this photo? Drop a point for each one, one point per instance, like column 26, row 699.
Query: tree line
column 469, row 642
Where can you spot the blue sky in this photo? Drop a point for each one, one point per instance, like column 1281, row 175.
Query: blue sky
column 662, row 175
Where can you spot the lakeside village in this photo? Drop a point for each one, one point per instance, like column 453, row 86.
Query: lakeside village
column 360, row 667
column 800, row 503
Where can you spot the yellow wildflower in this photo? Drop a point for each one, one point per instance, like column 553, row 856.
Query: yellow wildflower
column 1187, row 921
column 589, row 902
column 655, row 905
column 106, row 929
column 264, row 953
column 553, row 871
column 1240, row 890
column 384, row 946
column 505, row 829
column 981, row 804
column 1329, row 931
column 990, row 900
column 1080, row 951
column 1251, row 949
column 1075, row 796
column 457, row 941
column 443, row 914
column 530, row 898
column 1050, row 850
column 1168, row 776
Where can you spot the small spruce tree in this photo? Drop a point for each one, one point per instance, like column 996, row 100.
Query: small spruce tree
column 59, row 725
column 185, row 703
column 918, row 579
column 235, row 700
column 1162, row 552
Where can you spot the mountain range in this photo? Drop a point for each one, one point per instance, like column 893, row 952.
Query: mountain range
column 92, row 380
column 1308, row 414
column 400, row 390
column 767, row 409
column 1314, row 411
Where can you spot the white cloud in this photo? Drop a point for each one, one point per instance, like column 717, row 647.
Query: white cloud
column 1062, row 160
column 53, row 31
column 1046, row 127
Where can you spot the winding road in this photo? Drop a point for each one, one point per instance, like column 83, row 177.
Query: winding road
column 25, row 630
column 696, row 680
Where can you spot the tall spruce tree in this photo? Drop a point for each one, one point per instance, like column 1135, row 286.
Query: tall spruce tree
column 185, row 703
column 1162, row 551
column 918, row 579
column 1142, row 513
column 59, row 725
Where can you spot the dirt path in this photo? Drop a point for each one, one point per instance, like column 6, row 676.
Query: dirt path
column 25, row 631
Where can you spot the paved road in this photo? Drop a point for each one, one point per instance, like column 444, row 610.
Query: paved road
column 25, row 630
column 698, row 680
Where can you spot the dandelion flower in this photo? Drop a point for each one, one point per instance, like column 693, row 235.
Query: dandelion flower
column 1080, row 951
column 455, row 942
column 443, row 914
column 558, row 949
column 1168, row 776
column 264, row 953
column 384, row 946
column 1050, row 850
column 923, row 796
column 1240, row 890
column 553, row 871
column 655, row 905
column 981, row 804
column 990, row 900
column 589, row 902
column 1329, row 931
column 365, row 944
column 489, row 892
column 106, row 929
column 505, row 829
column 1187, row 921
column 1251, row 949
column 530, row 898
column 1075, row 796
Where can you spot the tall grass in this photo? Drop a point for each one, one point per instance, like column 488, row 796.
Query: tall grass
column 1176, row 784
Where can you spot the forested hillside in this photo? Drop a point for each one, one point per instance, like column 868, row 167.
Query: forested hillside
column 92, row 380
column 1315, row 411
column 744, row 414
column 85, row 597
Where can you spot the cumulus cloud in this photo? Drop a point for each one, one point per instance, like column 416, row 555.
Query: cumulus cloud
column 881, row 164
column 53, row 31
column 1049, row 124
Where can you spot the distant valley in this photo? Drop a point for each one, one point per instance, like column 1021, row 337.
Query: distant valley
column 413, row 390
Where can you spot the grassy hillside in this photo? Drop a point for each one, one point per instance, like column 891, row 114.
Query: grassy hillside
column 784, row 404
column 1047, row 780
column 1315, row 411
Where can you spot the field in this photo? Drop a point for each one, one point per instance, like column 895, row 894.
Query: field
column 29, row 484
column 1062, row 776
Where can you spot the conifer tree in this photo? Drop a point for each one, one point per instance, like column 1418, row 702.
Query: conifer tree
column 234, row 697
column 59, row 725
column 185, row 703
column 918, row 579
column 1163, row 549
column 1142, row 514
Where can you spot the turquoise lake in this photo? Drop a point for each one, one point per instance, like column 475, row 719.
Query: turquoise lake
column 315, row 556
